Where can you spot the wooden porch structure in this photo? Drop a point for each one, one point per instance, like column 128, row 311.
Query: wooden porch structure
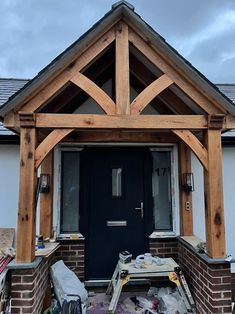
column 185, row 109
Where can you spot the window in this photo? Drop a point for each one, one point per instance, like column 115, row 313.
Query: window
column 70, row 172
column 161, row 190
column 117, row 182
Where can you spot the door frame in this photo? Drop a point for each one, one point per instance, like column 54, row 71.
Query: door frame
column 155, row 146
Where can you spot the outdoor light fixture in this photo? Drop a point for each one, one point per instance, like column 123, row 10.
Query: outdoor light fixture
column 188, row 182
column 44, row 183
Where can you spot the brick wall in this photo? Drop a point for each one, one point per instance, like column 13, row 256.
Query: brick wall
column 233, row 286
column 28, row 287
column 164, row 247
column 72, row 253
column 209, row 283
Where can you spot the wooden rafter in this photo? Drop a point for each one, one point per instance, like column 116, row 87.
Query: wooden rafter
column 49, row 143
column 96, row 121
column 105, row 102
column 122, row 89
column 62, row 79
column 196, row 146
column 200, row 99
column 146, row 77
column 149, row 93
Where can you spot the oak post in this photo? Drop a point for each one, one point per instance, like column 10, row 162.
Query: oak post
column 26, row 228
column 46, row 199
column 214, row 205
column 186, row 208
column 122, row 69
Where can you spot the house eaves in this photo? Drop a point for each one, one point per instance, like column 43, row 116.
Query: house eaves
column 124, row 10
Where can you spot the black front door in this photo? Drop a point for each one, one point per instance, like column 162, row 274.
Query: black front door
column 117, row 197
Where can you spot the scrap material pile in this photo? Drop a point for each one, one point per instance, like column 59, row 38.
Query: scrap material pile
column 156, row 300
column 7, row 253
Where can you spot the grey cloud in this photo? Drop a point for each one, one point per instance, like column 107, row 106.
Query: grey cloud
column 35, row 32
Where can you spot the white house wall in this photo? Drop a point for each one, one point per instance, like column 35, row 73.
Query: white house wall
column 229, row 197
column 9, row 185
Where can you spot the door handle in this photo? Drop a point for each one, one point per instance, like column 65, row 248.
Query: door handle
column 141, row 208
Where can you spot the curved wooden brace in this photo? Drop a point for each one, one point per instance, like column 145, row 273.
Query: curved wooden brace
column 196, row 146
column 149, row 93
column 49, row 143
column 105, row 102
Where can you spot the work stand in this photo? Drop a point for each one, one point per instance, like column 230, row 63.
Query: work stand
column 125, row 272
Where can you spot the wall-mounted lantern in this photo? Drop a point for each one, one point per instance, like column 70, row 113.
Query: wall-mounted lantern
column 188, row 182
column 44, row 183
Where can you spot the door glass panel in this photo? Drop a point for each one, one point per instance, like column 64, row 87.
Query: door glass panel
column 161, row 190
column 70, row 192
column 117, row 182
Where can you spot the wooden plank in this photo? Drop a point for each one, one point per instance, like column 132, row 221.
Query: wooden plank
column 186, row 206
column 49, row 143
column 62, row 79
column 214, row 205
column 102, row 99
column 198, row 96
column 149, row 93
column 122, row 137
column 122, row 69
column 46, row 199
column 196, row 146
column 26, row 231
column 93, row 121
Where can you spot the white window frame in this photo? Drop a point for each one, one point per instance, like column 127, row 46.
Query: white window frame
column 173, row 149
column 57, row 191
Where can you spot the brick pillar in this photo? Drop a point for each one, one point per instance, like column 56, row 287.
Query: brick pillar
column 28, row 285
column 209, row 280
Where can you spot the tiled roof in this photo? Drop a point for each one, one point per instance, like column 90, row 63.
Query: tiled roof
column 228, row 90
column 8, row 87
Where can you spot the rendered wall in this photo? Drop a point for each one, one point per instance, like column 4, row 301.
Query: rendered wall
column 229, row 198
column 9, row 185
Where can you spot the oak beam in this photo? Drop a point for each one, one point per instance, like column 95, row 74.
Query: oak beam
column 93, row 90
column 121, row 137
column 209, row 106
column 186, row 208
column 214, row 205
column 149, row 93
column 196, row 146
column 49, row 143
column 36, row 101
column 26, row 230
column 122, row 74
column 93, row 121
column 46, row 199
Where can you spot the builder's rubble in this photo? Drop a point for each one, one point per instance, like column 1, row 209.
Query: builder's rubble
column 7, row 253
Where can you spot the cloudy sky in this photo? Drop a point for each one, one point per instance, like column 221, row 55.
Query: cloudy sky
column 33, row 32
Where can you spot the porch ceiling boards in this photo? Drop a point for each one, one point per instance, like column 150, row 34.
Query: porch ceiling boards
column 151, row 88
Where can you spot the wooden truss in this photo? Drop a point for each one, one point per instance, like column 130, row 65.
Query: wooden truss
column 120, row 114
